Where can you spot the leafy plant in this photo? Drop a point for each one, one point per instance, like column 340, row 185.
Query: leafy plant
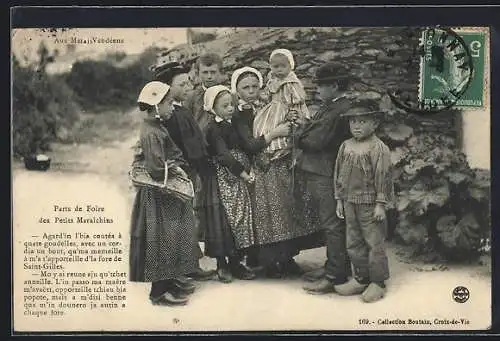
column 46, row 107
column 41, row 106
column 443, row 206
column 100, row 86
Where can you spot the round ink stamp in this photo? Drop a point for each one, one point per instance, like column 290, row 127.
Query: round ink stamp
column 460, row 294
column 448, row 71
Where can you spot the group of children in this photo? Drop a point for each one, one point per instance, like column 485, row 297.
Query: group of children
column 240, row 151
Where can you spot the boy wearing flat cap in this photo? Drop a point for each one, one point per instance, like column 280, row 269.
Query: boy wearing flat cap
column 319, row 140
column 363, row 190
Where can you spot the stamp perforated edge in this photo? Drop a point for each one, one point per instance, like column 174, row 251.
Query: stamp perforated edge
column 486, row 76
column 486, row 81
column 421, row 69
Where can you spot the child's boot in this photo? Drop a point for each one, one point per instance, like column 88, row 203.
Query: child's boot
column 292, row 268
column 314, row 275
column 352, row 287
column 373, row 293
column 274, row 271
column 223, row 272
column 239, row 270
column 322, row 287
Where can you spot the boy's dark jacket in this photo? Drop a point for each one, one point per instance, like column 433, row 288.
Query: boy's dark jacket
column 194, row 104
column 189, row 138
column 320, row 138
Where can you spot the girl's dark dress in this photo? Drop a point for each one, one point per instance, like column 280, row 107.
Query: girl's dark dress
column 189, row 138
column 266, row 254
column 243, row 124
column 163, row 235
column 210, row 212
column 223, row 145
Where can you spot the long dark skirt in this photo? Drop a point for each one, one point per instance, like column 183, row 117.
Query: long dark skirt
column 219, row 241
column 306, row 205
column 236, row 200
column 311, row 241
column 274, row 204
column 273, row 217
column 197, row 198
column 163, row 237
column 199, row 231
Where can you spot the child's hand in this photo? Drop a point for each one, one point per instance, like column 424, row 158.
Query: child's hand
column 340, row 209
column 379, row 213
column 293, row 115
column 251, row 179
column 283, row 129
column 179, row 171
column 247, row 178
column 265, row 95
column 246, row 106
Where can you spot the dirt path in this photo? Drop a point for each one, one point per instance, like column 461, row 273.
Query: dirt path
column 99, row 174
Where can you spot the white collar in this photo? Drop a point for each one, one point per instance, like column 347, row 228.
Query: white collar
column 339, row 97
column 241, row 103
column 176, row 104
column 204, row 87
column 220, row 119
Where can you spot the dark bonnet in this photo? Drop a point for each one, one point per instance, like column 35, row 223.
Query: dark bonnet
column 165, row 72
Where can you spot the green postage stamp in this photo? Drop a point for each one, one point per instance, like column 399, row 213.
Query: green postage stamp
column 452, row 68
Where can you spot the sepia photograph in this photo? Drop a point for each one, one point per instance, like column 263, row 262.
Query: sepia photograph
column 251, row 179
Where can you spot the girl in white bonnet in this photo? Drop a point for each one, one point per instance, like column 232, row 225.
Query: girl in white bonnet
column 235, row 233
column 163, row 234
column 273, row 178
column 246, row 85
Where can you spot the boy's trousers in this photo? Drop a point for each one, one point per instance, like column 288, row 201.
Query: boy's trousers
column 366, row 243
column 337, row 266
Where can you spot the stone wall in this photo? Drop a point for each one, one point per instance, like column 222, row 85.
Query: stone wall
column 379, row 59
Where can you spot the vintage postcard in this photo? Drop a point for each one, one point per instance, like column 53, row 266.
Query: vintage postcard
column 251, row 179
